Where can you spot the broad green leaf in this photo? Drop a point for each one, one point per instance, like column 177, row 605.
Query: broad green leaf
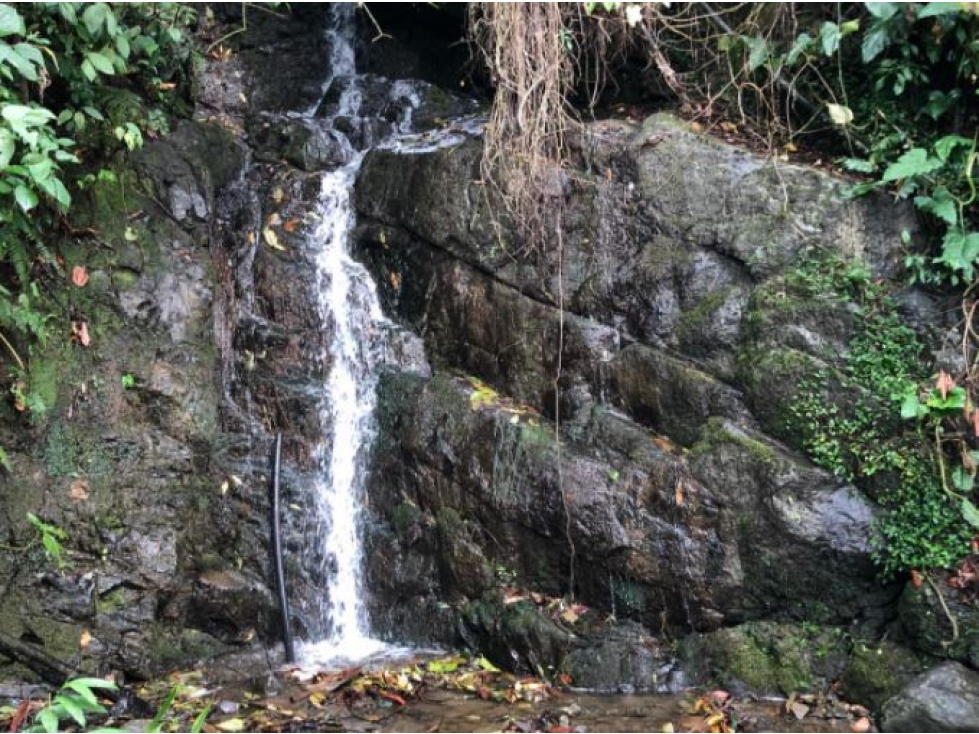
column 100, row 62
column 930, row 10
column 959, row 252
column 84, row 686
column 26, row 198
column 874, row 44
column 962, row 479
column 758, row 54
column 23, row 67
column 912, row 408
column 122, row 46
column 94, row 17
column 30, row 52
column 67, row 11
column 10, row 21
column 859, row 165
column 915, row 162
column 7, row 147
column 801, row 45
column 829, row 37
column 49, row 719
column 882, row 10
column 41, row 170
column 72, row 708
column 945, row 146
column 89, row 71
column 60, row 193
column 970, row 513
column 941, row 204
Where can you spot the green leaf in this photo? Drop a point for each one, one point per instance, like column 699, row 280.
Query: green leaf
column 912, row 408
column 941, row 204
column 932, row 10
column 122, row 46
column 72, row 708
column 94, row 17
column 874, row 44
column 83, row 687
column 883, row 11
column 801, row 45
column 970, row 513
column 198, row 725
column 7, row 147
column 758, row 54
column 962, row 479
column 10, row 22
column 100, row 62
column 26, row 198
column 829, row 37
column 49, row 720
column 859, row 165
column 959, row 252
column 88, row 71
column 915, row 162
column 945, row 146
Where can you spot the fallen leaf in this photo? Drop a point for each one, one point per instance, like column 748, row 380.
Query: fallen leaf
column 916, row 578
column 944, row 383
column 79, row 332
column 166, row 86
column 392, row 697
column 79, row 276
column 78, row 490
column 278, row 195
column 273, row 220
column 861, row 725
column 271, row 239
column 291, row 225
column 395, row 280
column 799, row 710
column 569, row 615
column 85, row 639
column 232, row 725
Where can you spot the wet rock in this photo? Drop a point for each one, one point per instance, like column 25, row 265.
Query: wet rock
column 924, row 619
column 876, row 672
column 515, row 636
column 744, row 529
column 946, row 698
column 767, row 657
column 307, row 144
column 625, row 659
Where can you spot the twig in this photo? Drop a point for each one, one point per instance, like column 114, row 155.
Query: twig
column 948, row 614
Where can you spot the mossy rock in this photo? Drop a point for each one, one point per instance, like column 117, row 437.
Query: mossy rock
column 767, row 658
column 877, row 672
column 515, row 636
column 925, row 620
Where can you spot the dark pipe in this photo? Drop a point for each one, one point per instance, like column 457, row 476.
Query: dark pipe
column 280, row 579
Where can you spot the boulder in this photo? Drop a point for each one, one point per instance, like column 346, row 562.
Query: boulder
column 946, row 698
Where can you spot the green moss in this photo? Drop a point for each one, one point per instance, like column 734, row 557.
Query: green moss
column 877, row 672
column 695, row 318
column 717, row 431
column 405, row 515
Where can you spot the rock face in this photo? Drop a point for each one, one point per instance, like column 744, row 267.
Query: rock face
column 670, row 488
column 946, row 698
column 128, row 461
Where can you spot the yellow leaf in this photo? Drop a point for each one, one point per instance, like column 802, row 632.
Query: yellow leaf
column 271, row 239
column 839, row 114
column 232, row 725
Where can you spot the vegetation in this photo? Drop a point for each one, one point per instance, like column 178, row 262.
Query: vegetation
column 76, row 81
column 889, row 88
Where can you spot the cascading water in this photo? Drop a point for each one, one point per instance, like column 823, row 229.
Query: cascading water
column 361, row 341
column 349, row 308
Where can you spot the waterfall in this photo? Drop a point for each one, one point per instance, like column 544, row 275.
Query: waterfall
column 350, row 311
column 361, row 341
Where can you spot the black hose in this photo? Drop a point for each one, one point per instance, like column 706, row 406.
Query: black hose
column 280, row 579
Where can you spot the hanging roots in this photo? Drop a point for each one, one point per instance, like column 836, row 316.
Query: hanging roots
column 524, row 47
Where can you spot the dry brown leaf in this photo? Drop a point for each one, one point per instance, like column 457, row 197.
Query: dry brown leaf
column 861, row 725
column 679, row 493
column 79, row 332
column 799, row 710
column 85, row 639
column 271, row 239
column 78, row 490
